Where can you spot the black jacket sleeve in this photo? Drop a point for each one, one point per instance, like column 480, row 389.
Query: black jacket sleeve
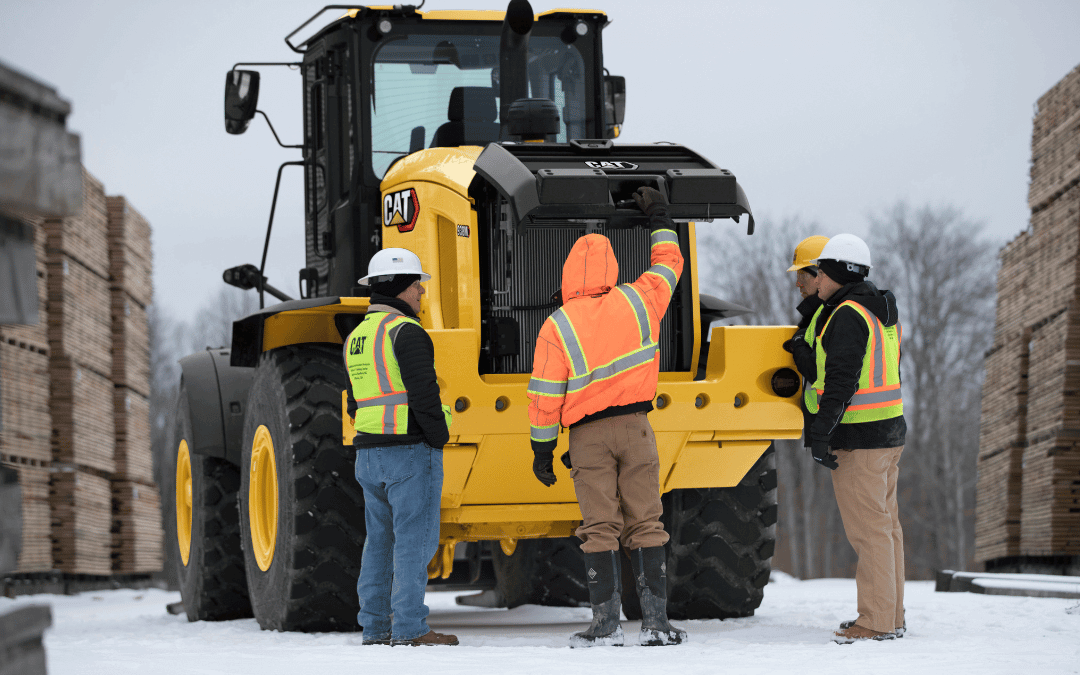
column 805, row 359
column 416, row 359
column 845, row 347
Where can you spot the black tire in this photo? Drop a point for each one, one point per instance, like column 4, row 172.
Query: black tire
column 310, row 583
column 212, row 583
column 721, row 546
column 542, row 572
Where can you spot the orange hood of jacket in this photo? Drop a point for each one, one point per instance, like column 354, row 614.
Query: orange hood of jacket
column 590, row 269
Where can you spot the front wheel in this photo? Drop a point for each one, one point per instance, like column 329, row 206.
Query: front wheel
column 301, row 508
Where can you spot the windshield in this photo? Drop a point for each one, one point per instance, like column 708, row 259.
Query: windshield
column 443, row 91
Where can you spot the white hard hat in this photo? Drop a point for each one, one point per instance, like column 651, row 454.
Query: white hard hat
column 391, row 261
column 846, row 248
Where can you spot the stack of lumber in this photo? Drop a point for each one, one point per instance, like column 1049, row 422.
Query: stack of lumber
column 136, row 527
column 25, row 423
column 1028, row 495
column 81, row 517
column 36, row 554
column 1055, row 142
column 1001, row 445
column 74, row 395
column 131, row 290
column 80, row 334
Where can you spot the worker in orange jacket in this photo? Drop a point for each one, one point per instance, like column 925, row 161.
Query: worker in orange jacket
column 595, row 371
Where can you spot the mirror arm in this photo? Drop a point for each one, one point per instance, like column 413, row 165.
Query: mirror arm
column 273, row 131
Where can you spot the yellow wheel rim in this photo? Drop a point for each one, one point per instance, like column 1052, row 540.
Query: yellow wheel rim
column 183, row 501
column 263, row 498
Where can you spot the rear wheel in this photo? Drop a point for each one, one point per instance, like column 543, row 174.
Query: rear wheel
column 721, row 546
column 542, row 572
column 204, row 531
column 301, row 508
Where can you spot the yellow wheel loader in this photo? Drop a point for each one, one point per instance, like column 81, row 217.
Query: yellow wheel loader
column 415, row 135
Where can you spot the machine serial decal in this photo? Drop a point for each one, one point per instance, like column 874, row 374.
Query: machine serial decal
column 623, row 166
column 400, row 210
column 463, row 231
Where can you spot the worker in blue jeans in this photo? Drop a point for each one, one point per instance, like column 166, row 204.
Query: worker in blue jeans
column 401, row 428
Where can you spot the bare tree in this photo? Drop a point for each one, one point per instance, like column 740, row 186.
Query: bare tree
column 942, row 272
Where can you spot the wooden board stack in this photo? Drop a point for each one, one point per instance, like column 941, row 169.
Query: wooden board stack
column 74, row 395
column 130, row 292
column 25, row 423
column 81, row 505
column 36, row 554
column 1034, row 481
column 1001, row 440
column 136, row 527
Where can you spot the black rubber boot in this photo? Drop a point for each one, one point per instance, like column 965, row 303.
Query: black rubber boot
column 604, row 574
column 650, row 573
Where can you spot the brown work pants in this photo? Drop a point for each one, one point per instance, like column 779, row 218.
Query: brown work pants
column 617, row 479
column 865, row 487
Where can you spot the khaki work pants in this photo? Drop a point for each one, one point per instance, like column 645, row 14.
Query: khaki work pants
column 865, row 487
column 617, row 480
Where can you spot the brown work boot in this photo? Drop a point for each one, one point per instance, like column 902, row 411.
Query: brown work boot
column 856, row 633
column 430, row 640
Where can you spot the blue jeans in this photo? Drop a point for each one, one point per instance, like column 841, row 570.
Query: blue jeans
column 402, row 489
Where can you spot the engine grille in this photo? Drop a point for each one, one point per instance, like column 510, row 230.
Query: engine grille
column 525, row 268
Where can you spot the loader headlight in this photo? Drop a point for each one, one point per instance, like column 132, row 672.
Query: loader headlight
column 785, row 383
column 384, row 26
column 581, row 28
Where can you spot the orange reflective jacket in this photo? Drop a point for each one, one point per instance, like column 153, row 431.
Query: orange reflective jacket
column 601, row 348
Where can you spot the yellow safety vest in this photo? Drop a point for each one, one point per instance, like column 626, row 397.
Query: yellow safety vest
column 382, row 402
column 878, row 396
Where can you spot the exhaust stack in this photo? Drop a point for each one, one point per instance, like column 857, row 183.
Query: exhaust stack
column 514, row 59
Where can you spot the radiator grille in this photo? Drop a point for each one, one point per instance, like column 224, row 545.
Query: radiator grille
column 525, row 268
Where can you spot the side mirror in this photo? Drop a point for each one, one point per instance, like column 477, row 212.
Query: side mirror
column 614, row 103
column 241, row 98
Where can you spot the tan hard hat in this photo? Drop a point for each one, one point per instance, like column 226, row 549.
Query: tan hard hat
column 807, row 252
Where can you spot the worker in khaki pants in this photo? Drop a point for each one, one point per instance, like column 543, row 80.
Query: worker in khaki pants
column 857, row 411
column 595, row 371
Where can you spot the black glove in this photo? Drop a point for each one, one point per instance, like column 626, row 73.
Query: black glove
column 543, row 467
column 821, row 455
column 565, row 459
column 789, row 345
column 649, row 199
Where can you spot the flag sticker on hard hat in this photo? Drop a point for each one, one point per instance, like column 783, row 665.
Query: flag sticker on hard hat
column 400, row 210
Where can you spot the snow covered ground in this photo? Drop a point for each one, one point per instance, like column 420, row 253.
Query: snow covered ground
column 127, row 631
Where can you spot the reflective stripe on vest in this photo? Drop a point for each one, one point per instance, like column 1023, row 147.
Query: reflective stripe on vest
column 879, row 395
column 380, row 395
column 580, row 374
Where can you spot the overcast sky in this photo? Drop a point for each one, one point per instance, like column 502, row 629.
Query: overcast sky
column 829, row 110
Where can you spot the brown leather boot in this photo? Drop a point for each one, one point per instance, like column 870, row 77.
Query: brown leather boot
column 856, row 633
column 432, row 639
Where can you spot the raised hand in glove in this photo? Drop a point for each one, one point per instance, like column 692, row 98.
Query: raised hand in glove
column 820, row 452
column 543, row 467
column 649, row 199
column 789, row 345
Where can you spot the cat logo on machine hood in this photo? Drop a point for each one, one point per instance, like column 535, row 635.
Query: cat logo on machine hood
column 400, row 210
